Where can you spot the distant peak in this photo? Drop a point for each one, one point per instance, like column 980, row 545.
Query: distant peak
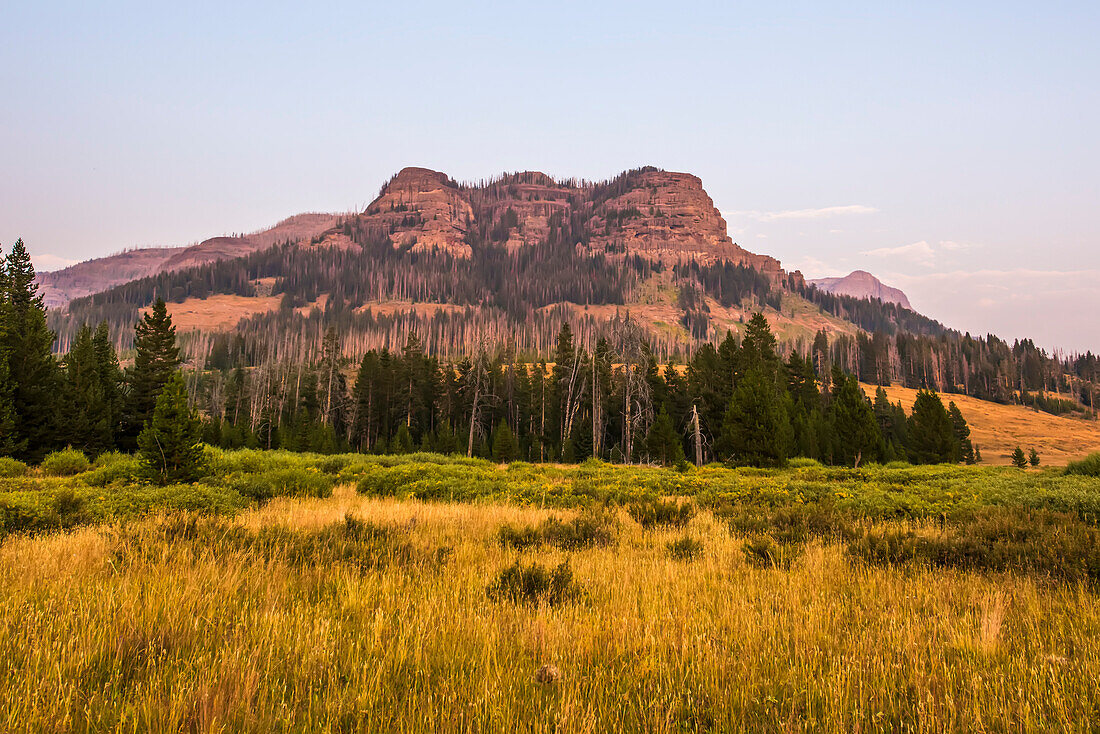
column 861, row 284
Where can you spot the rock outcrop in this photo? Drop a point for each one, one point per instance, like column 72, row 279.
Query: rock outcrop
column 861, row 284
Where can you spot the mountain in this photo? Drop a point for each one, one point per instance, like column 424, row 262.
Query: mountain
column 861, row 284
column 93, row 276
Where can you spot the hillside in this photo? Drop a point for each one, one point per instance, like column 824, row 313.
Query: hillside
column 94, row 276
column 861, row 284
column 998, row 429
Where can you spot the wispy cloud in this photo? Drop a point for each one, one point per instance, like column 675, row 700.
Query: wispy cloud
column 821, row 213
column 918, row 252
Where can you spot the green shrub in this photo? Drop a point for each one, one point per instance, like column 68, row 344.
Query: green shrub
column 113, row 468
column 593, row 527
column 520, row 538
column 1088, row 466
column 286, row 482
column 684, row 548
column 1047, row 543
column 65, row 463
column 791, row 524
column 535, row 584
column 10, row 467
column 651, row 512
column 763, row 552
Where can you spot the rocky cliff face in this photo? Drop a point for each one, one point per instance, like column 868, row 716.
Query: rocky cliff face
column 649, row 213
column 861, row 284
column 659, row 215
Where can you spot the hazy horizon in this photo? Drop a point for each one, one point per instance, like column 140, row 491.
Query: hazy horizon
column 950, row 152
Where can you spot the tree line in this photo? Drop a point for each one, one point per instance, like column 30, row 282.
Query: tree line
column 737, row 402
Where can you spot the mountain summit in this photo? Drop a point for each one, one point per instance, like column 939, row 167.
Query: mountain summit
column 861, row 284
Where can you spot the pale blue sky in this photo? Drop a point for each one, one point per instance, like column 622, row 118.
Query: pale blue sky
column 951, row 150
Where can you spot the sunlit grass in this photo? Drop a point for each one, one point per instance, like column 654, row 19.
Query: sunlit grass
column 127, row 627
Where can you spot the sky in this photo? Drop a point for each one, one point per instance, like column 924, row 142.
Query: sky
column 952, row 149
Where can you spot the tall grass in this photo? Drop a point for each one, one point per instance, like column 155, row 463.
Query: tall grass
column 272, row 622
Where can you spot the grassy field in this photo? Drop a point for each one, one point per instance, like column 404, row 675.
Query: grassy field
column 998, row 429
column 343, row 594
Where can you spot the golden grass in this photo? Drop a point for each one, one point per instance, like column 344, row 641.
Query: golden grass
column 207, row 639
column 998, row 429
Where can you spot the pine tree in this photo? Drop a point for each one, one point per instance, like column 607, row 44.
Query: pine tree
column 1019, row 460
column 32, row 371
column 1033, row 458
column 402, row 442
column 931, row 433
column 155, row 362
column 504, row 444
column 445, row 442
column 965, row 447
column 662, row 443
column 856, row 436
column 755, row 427
column 170, row 445
column 88, row 425
column 7, row 408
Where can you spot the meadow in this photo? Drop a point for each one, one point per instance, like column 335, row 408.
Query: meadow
column 296, row 592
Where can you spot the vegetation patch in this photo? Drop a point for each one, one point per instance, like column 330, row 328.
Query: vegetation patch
column 536, row 584
column 651, row 512
column 593, row 527
column 65, row 463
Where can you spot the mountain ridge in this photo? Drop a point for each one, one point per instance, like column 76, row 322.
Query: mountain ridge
column 861, row 284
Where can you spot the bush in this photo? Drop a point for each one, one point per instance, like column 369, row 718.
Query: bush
column 590, row 528
column 791, row 524
column 763, row 552
column 994, row 539
column 535, row 584
column 1088, row 466
column 113, row 468
column 288, row 482
column 650, row 513
column 65, row 463
column 685, row 548
column 10, row 467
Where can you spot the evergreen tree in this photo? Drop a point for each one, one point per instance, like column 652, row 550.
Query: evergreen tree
column 89, row 416
column 977, row 455
column 445, row 442
column 1033, row 458
column 931, row 433
column 755, row 427
column 662, row 443
column 1019, row 460
column 964, row 446
column 155, row 362
column 32, row 371
column 855, row 434
column 170, row 445
column 7, row 408
column 402, row 442
column 504, row 444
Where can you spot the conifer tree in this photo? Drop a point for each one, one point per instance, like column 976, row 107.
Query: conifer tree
column 155, row 362
column 855, row 434
column 662, row 443
column 964, row 446
column 756, row 427
column 504, row 444
column 402, row 442
column 931, row 433
column 170, row 445
column 7, row 408
column 1019, row 460
column 88, row 416
column 1033, row 458
column 32, row 371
